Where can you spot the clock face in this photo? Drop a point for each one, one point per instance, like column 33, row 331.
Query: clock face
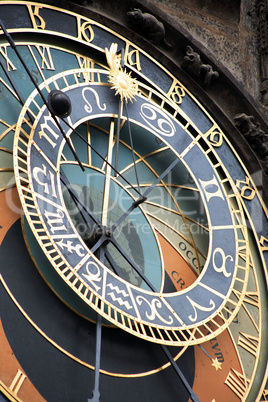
column 140, row 263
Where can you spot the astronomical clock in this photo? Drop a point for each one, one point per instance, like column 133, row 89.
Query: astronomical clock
column 133, row 237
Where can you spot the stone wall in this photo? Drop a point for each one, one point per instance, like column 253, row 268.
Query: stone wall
column 228, row 29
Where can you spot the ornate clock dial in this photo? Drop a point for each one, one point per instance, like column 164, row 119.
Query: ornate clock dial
column 146, row 216
column 121, row 303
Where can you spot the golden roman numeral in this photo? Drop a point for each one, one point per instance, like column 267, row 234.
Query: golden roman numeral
column 46, row 58
column 249, row 343
column 86, row 63
column 3, row 53
column 251, row 298
column 17, row 382
column 265, row 395
column 237, row 383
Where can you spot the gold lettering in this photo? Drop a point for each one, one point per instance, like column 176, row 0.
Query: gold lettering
column 265, row 394
column 55, row 220
column 84, row 30
column 47, row 131
column 247, row 192
column 47, row 189
column 264, row 243
column 176, row 92
column 132, row 57
column 37, row 20
column 215, row 137
column 17, row 382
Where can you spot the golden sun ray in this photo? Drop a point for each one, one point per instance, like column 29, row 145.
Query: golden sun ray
column 121, row 81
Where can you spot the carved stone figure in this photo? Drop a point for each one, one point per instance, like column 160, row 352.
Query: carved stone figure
column 148, row 26
column 256, row 137
column 193, row 64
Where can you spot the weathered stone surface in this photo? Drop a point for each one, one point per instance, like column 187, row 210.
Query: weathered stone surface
column 229, row 31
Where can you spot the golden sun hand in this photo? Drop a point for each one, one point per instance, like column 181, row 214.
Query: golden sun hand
column 121, row 81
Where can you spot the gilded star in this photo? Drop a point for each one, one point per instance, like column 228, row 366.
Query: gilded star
column 216, row 364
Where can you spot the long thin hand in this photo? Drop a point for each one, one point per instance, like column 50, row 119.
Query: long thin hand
column 193, row 396
column 117, row 136
column 130, row 262
column 14, row 87
column 157, row 181
column 96, row 390
column 132, row 147
column 174, row 364
column 79, row 203
column 105, row 204
column 144, row 196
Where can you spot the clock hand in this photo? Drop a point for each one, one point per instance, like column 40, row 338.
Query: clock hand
column 132, row 148
column 193, row 396
column 117, row 136
column 96, row 391
column 174, row 364
column 133, row 265
column 13, row 45
column 143, row 197
column 15, row 88
column 105, row 202
column 82, row 209
column 108, row 233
